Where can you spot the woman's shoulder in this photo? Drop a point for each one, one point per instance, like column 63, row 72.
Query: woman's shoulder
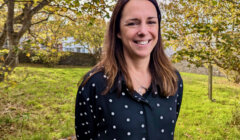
column 94, row 78
column 178, row 75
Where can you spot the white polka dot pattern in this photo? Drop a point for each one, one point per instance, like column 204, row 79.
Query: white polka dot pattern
column 124, row 115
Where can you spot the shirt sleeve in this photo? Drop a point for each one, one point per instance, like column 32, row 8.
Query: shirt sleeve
column 84, row 113
column 179, row 93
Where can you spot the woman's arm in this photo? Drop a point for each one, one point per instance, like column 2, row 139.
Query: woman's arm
column 85, row 113
column 179, row 93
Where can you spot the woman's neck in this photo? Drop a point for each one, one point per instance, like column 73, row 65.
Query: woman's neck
column 139, row 73
column 140, row 65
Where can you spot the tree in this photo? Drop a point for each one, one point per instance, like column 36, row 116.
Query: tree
column 205, row 32
column 45, row 40
column 17, row 24
column 90, row 34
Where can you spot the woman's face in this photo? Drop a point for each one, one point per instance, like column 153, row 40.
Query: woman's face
column 138, row 28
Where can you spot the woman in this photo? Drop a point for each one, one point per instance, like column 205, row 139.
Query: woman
column 133, row 93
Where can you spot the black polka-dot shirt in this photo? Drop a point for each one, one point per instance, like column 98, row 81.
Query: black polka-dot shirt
column 125, row 116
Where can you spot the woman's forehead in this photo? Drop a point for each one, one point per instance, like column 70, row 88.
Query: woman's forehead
column 138, row 9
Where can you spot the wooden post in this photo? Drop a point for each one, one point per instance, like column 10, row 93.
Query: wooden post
column 210, row 81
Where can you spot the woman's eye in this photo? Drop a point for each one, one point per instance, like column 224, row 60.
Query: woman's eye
column 131, row 24
column 152, row 22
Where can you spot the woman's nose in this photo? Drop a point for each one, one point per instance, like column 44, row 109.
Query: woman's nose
column 143, row 29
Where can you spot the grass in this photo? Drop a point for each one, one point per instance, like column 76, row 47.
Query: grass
column 41, row 107
column 202, row 119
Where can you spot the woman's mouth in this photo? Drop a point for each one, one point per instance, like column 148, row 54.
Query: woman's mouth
column 142, row 42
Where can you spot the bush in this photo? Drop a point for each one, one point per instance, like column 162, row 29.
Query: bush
column 232, row 76
column 49, row 57
column 73, row 58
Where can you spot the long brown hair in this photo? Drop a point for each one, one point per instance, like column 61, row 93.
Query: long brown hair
column 164, row 78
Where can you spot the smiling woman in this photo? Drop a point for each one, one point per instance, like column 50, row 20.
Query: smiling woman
column 138, row 29
column 134, row 92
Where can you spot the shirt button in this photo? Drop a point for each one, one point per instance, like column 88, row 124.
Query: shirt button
column 143, row 138
column 142, row 125
column 141, row 112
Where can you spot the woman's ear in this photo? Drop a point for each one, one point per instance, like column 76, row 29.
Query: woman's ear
column 119, row 35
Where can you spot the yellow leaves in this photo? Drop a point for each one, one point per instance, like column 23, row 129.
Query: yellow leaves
column 102, row 1
column 4, row 51
column 53, row 50
column 28, row 54
column 221, row 40
column 5, row 75
column 214, row 28
column 194, row 20
column 5, row 69
column 2, row 58
column 49, row 44
column 43, row 35
column 64, row 9
column 53, row 38
column 51, row 9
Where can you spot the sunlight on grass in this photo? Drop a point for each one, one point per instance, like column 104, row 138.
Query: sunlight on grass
column 202, row 119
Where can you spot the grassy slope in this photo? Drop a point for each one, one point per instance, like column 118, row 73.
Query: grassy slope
column 202, row 119
column 42, row 106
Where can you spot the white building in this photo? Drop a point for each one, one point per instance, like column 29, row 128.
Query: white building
column 70, row 46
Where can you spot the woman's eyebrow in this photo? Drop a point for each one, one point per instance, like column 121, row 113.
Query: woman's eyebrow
column 133, row 19
column 136, row 19
column 151, row 17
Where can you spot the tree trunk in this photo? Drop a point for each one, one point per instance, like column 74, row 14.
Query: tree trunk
column 3, row 36
column 12, row 59
column 210, row 81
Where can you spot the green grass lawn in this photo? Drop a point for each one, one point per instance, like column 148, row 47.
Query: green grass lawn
column 42, row 106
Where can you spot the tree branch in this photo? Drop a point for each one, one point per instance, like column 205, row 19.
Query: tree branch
column 60, row 7
column 1, row 6
column 46, row 19
column 68, row 17
column 19, row 19
column 29, row 31
column 28, row 16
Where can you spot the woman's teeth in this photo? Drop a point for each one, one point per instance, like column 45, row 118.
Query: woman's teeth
column 142, row 42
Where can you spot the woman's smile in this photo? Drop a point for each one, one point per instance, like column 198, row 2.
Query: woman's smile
column 138, row 29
